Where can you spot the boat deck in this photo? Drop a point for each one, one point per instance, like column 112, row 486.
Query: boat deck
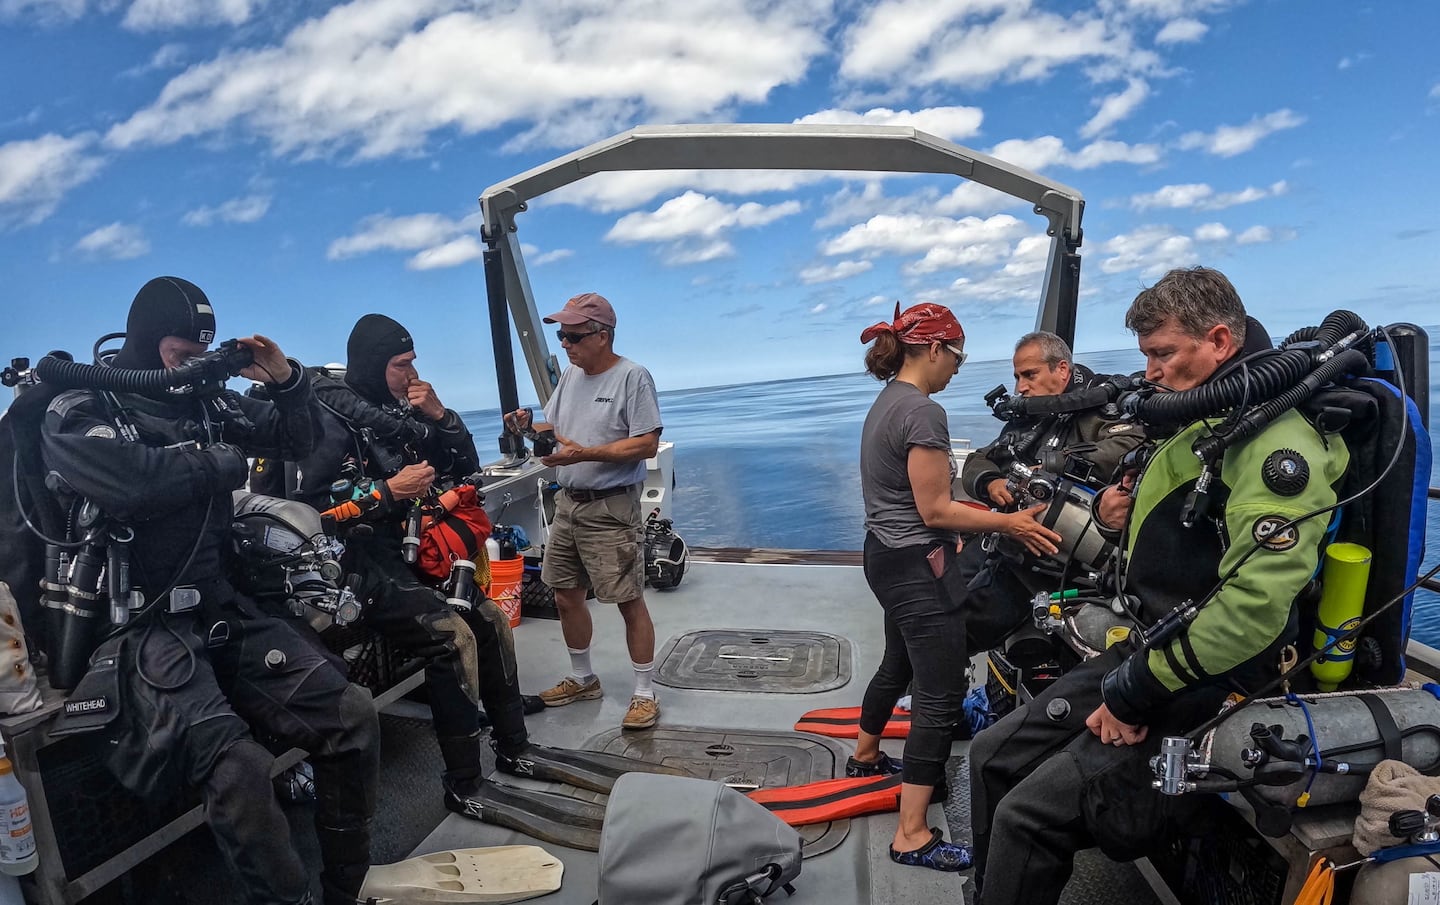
column 768, row 596
column 776, row 594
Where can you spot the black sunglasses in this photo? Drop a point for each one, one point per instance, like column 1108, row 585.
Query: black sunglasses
column 566, row 336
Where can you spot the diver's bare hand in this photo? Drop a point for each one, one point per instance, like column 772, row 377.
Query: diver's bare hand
column 271, row 365
column 422, row 398
column 1108, row 728
column 999, row 493
column 1112, row 506
column 411, row 482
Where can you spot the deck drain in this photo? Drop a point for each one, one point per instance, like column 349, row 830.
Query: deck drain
column 719, row 750
column 777, row 662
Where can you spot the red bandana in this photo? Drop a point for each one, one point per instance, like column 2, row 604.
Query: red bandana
column 924, row 323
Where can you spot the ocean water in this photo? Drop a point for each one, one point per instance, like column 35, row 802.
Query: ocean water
column 776, row 464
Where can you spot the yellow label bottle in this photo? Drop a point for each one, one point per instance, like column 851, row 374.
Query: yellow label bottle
column 1342, row 602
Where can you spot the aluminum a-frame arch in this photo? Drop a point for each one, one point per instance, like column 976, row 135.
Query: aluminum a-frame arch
column 881, row 149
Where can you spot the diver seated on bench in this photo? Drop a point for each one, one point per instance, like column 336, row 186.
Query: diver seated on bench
column 1058, row 458
column 1071, row 769
column 386, row 436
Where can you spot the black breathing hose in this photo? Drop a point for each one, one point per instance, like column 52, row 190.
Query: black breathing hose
column 218, row 365
column 1251, row 423
column 1262, row 379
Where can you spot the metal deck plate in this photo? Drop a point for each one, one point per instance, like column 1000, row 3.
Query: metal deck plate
column 759, row 660
column 764, row 759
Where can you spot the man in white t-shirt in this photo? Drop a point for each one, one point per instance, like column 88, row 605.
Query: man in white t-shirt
column 606, row 420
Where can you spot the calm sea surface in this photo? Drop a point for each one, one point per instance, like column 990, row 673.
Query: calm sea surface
column 777, row 464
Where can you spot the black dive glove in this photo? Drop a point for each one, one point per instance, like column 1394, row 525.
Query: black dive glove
column 1132, row 692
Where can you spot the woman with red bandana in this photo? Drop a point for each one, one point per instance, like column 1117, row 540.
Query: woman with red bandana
column 912, row 525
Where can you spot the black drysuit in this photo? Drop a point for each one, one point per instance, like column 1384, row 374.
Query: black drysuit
column 382, row 437
column 183, row 690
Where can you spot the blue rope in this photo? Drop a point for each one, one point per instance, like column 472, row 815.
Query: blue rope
column 1296, row 700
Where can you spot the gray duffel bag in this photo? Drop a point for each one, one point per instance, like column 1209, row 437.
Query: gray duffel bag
column 672, row 840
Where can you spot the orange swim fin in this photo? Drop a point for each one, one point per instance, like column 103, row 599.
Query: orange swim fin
column 831, row 799
column 844, row 722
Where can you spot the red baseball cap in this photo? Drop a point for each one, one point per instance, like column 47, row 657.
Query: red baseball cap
column 587, row 306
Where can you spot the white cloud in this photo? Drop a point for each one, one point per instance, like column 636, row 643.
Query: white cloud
column 1151, row 250
column 118, row 242
column 1356, row 60
column 1227, row 141
column 379, row 76
column 1255, row 235
column 550, row 257
column 35, row 174
column 237, row 210
column 382, row 233
column 450, row 254
column 1181, row 31
column 1211, row 232
column 46, row 12
column 169, row 56
column 976, row 42
column 696, row 223
column 1047, row 152
column 618, row 191
column 1116, row 107
column 1435, row 91
column 943, row 243
column 952, row 123
column 974, row 198
column 151, row 15
column 819, row 308
column 840, row 270
column 1202, row 197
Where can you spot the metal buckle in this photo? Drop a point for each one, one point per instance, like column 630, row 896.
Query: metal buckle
column 182, row 600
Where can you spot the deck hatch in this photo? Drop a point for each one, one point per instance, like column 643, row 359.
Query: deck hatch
column 762, row 759
column 750, row 660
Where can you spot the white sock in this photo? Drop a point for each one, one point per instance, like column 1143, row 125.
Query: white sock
column 580, row 664
column 644, row 673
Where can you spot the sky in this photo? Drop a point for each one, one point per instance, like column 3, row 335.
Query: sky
column 308, row 163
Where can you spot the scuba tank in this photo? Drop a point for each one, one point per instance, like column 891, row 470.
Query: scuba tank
column 1272, row 743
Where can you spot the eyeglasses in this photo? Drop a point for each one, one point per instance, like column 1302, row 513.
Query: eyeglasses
column 958, row 353
column 566, row 336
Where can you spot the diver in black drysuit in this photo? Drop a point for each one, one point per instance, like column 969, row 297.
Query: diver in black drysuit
column 365, row 424
column 175, row 694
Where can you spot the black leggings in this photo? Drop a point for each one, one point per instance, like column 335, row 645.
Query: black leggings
column 924, row 643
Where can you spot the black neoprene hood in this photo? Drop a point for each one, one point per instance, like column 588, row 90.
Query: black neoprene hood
column 165, row 306
column 375, row 340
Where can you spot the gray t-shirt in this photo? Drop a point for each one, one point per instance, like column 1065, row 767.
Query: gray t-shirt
column 900, row 418
column 618, row 402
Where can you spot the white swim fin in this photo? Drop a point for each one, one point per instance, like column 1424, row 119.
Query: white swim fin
column 502, row 873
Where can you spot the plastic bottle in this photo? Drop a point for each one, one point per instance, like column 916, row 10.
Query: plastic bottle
column 492, row 548
column 17, row 836
column 1342, row 602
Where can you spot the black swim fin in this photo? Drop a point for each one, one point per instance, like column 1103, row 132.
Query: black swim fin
column 584, row 769
column 557, row 819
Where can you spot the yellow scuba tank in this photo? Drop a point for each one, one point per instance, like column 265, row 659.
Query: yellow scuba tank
column 1342, row 601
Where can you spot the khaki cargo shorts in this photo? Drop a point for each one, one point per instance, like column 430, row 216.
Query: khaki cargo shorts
column 596, row 545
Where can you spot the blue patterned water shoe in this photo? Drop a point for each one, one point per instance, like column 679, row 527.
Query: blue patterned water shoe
column 937, row 854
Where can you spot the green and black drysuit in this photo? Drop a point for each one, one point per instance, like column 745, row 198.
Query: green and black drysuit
column 1043, row 785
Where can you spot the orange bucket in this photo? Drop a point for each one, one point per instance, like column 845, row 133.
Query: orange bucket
column 506, row 576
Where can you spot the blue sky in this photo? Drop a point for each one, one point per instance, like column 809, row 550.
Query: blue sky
column 306, row 164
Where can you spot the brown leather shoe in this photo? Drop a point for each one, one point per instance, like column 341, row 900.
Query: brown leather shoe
column 570, row 690
column 643, row 713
